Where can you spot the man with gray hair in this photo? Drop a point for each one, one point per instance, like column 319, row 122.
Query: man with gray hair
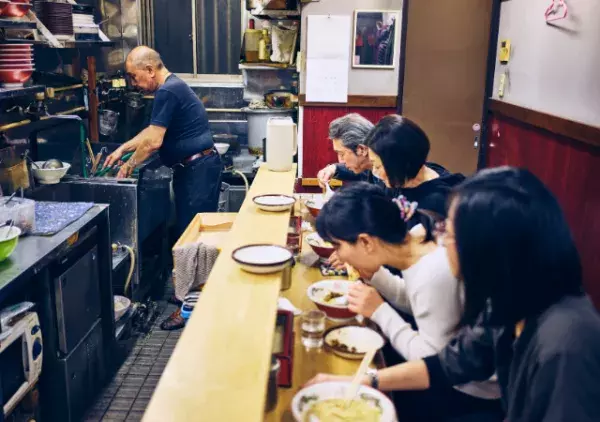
column 179, row 131
column 348, row 134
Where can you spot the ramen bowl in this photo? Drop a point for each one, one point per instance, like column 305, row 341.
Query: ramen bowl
column 321, row 248
column 274, row 202
column 306, row 398
column 331, row 296
column 263, row 258
column 314, row 206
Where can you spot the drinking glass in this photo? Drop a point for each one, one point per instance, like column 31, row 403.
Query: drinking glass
column 313, row 328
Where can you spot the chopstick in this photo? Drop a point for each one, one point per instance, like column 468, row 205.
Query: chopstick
column 355, row 386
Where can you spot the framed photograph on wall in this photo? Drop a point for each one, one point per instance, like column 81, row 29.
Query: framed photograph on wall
column 374, row 45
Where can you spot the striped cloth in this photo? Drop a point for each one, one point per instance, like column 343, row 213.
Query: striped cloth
column 193, row 263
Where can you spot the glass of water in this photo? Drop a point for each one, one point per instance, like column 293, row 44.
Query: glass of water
column 313, row 328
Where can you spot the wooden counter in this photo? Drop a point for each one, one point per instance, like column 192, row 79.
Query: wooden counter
column 219, row 369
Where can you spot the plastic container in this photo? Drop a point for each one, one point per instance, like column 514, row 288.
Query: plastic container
column 21, row 211
column 251, row 39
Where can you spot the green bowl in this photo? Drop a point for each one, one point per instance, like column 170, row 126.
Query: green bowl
column 8, row 245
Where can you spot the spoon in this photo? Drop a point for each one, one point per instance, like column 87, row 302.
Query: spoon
column 328, row 191
column 12, row 222
column 10, row 198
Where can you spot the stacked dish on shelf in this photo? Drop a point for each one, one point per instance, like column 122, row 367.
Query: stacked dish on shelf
column 16, row 64
column 14, row 8
column 57, row 17
column 83, row 21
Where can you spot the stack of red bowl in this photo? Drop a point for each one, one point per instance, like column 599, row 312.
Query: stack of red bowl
column 16, row 64
column 14, row 8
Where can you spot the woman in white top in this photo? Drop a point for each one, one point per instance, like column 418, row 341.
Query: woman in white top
column 369, row 231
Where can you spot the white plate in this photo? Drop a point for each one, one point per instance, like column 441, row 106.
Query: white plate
column 262, row 259
column 361, row 339
column 306, row 398
column 274, row 202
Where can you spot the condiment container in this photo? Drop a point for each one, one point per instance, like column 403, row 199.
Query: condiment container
column 272, row 386
column 20, row 210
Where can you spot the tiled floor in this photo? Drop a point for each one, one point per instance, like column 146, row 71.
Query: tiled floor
column 125, row 398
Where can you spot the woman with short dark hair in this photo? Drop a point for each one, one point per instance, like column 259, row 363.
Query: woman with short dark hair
column 398, row 149
column 527, row 316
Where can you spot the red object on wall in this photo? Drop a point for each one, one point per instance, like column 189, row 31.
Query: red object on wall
column 317, row 148
column 571, row 169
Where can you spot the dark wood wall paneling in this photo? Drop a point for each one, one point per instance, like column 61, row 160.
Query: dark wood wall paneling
column 317, row 148
column 564, row 156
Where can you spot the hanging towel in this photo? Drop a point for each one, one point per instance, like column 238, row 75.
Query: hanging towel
column 193, row 263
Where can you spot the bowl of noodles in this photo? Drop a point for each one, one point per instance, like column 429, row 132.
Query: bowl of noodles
column 314, row 205
column 325, row 403
column 331, row 297
column 322, row 248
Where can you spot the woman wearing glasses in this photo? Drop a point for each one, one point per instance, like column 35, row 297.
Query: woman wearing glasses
column 369, row 230
column 526, row 315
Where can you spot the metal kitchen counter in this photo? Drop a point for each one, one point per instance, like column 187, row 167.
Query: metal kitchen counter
column 33, row 253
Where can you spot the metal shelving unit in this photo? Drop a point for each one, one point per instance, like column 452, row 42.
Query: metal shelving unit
column 6, row 93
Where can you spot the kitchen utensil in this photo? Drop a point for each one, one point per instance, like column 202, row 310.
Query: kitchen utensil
column 53, row 163
column 308, row 396
column 257, row 125
column 103, row 171
column 227, row 138
column 52, row 175
column 8, row 232
column 10, row 198
column 352, row 341
column 352, row 390
column 325, row 293
column 96, row 162
column 282, row 143
column 274, row 202
column 262, row 259
column 21, row 211
column 328, row 192
column 10, row 239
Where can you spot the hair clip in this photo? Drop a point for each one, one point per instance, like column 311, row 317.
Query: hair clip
column 407, row 208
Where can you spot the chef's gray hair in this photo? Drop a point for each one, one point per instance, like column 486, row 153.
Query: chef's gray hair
column 352, row 129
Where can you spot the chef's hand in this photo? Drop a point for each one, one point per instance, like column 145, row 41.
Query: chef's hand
column 319, row 378
column 363, row 299
column 335, row 262
column 114, row 157
column 326, row 174
column 125, row 171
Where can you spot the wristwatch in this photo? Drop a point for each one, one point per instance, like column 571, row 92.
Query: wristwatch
column 373, row 378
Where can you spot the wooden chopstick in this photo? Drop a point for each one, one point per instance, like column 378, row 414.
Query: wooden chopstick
column 355, row 386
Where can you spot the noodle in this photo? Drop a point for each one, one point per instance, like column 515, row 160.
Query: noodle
column 337, row 410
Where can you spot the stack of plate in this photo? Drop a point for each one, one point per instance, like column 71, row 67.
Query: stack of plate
column 83, row 20
column 14, row 8
column 57, row 17
column 16, row 64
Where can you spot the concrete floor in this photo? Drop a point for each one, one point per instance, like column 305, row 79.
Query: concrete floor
column 126, row 397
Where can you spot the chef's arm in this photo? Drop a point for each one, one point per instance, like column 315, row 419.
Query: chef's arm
column 148, row 141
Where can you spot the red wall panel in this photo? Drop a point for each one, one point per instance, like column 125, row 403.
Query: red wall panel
column 317, row 148
column 570, row 169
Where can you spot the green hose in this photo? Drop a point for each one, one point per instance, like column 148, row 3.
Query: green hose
column 83, row 149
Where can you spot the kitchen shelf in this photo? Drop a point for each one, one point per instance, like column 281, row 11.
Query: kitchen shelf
column 21, row 91
column 88, row 44
column 266, row 66
column 275, row 14
column 17, row 24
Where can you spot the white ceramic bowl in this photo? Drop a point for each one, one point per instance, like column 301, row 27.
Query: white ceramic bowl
column 274, row 202
column 307, row 397
column 337, row 308
column 49, row 176
column 122, row 305
column 222, row 148
column 352, row 341
column 262, row 259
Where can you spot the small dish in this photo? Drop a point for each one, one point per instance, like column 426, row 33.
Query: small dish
column 262, row 259
column 274, row 202
column 330, row 296
column 49, row 176
column 309, row 396
column 222, row 148
column 352, row 341
column 122, row 305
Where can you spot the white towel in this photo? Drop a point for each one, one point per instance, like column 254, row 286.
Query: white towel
column 193, row 263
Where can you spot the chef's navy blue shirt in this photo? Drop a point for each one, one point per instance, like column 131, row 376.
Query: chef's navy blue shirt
column 178, row 109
